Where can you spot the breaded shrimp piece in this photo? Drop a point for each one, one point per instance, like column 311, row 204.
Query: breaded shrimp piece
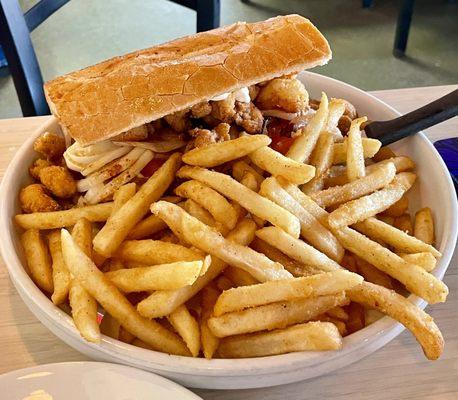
column 204, row 137
column 201, row 110
column 249, row 117
column 224, row 110
column 133, row 135
column 179, row 121
column 33, row 198
column 50, row 145
column 58, row 181
column 37, row 166
column 286, row 94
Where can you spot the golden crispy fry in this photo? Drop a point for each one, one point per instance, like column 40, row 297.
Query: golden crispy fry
column 338, row 312
column 372, row 204
column 403, row 223
column 277, row 164
column 336, row 110
column 378, row 179
column 115, row 231
column 372, row 274
column 94, row 281
column 399, row 308
column 224, row 283
column 242, row 297
column 110, row 326
column 355, row 152
column 151, row 252
column 240, row 168
column 187, row 327
column 310, row 336
column 400, row 240
column 274, row 316
column 60, row 275
column 248, row 199
column 356, row 317
column 424, row 225
column 147, row 227
column 415, row 278
column 158, row 277
column 370, row 147
column 303, row 145
column 162, row 303
column 209, row 341
column 210, row 241
column 219, row 153
column 425, row 260
column 204, row 216
column 221, row 210
column 60, row 219
column 297, row 249
column 122, row 195
column 321, row 158
column 311, row 229
column 38, row 259
column 83, row 305
column 293, row 266
column 239, row 276
column 383, row 154
column 387, row 220
column 399, row 208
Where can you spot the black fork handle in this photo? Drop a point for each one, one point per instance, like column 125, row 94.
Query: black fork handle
column 431, row 114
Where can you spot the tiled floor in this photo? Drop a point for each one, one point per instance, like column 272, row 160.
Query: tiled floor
column 87, row 31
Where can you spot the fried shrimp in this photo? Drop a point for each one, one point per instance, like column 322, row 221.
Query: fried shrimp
column 37, row 166
column 249, row 117
column 179, row 121
column 33, row 198
column 58, row 181
column 50, row 145
column 286, row 94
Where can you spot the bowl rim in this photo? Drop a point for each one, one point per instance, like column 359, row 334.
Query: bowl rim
column 199, row 366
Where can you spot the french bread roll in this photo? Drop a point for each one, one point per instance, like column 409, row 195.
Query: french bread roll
column 109, row 98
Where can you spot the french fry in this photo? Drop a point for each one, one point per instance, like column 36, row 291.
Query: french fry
column 240, row 168
column 383, row 154
column 224, row 283
column 399, row 308
column 151, row 252
column 274, row 316
column 303, row 145
column 147, row 227
column 122, row 195
column 251, row 201
column 60, row 275
column 187, row 327
column 338, row 312
column 372, row 204
column 356, row 317
column 110, row 326
column 336, row 111
column 386, row 219
column 424, row 225
column 278, row 165
column 399, row 208
column 378, row 179
column 204, row 216
column 219, row 153
column 310, row 336
column 242, row 297
column 372, row 274
column 293, row 266
column 209, row 341
column 296, row 249
column 61, row 219
column 239, row 276
column 115, row 231
column 94, row 281
column 38, row 259
column 404, row 223
column 221, row 210
column 370, row 147
column 400, row 240
column 164, row 302
column 355, row 152
column 425, row 260
column 414, row 278
column 311, row 229
column 158, row 277
column 83, row 305
column 321, row 159
column 210, row 241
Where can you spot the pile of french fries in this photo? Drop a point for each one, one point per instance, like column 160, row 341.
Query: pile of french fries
column 234, row 250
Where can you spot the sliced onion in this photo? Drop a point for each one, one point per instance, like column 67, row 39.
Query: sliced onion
column 104, row 159
column 279, row 114
column 159, row 146
column 302, row 120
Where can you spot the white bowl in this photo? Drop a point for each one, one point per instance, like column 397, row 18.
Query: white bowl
column 434, row 188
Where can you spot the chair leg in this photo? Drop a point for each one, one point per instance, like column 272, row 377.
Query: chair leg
column 208, row 14
column 403, row 27
column 368, row 3
column 22, row 61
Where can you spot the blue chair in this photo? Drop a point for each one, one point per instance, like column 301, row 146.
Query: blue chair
column 15, row 28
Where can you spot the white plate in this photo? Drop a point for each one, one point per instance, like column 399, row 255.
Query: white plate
column 89, row 381
column 434, row 188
